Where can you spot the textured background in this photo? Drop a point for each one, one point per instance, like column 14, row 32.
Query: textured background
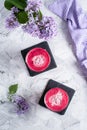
column 13, row 70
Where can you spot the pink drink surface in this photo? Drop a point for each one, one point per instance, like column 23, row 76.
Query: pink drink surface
column 56, row 99
column 38, row 59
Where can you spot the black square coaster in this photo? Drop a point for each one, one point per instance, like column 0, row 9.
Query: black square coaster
column 43, row 45
column 53, row 84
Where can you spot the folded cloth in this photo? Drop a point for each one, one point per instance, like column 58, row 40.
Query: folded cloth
column 76, row 18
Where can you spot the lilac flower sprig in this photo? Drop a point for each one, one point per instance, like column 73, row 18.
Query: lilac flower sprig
column 31, row 19
column 20, row 102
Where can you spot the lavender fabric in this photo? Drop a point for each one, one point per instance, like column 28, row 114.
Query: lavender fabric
column 76, row 18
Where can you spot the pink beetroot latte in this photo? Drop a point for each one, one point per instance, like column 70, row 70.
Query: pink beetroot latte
column 38, row 59
column 56, row 99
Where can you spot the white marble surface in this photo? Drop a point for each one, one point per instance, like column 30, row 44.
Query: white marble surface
column 13, row 70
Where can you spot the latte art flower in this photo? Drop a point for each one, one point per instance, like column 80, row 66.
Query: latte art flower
column 38, row 60
column 56, row 99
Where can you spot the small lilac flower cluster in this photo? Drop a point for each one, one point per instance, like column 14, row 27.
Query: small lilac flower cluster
column 44, row 29
column 47, row 28
column 33, row 6
column 37, row 25
column 21, row 103
column 11, row 21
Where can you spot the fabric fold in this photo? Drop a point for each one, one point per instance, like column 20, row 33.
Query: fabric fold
column 76, row 18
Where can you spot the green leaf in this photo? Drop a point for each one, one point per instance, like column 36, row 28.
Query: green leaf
column 20, row 4
column 34, row 14
column 8, row 5
column 13, row 89
column 40, row 15
column 22, row 17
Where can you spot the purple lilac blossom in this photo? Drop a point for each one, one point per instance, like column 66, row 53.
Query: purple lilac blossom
column 21, row 103
column 33, row 5
column 31, row 28
column 14, row 10
column 31, row 17
column 11, row 22
column 76, row 18
column 47, row 28
column 44, row 29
